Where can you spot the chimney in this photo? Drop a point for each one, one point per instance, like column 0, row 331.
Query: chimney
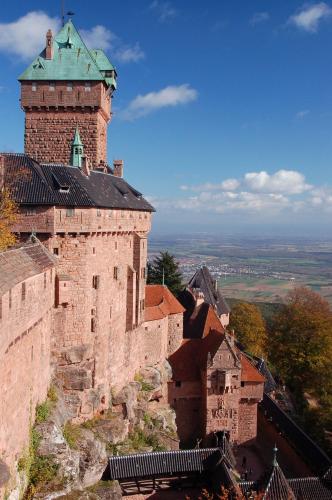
column 49, row 45
column 118, row 168
column 85, row 165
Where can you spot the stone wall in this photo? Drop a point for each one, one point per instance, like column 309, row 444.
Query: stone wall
column 222, row 381
column 175, row 332
column 247, row 421
column 25, row 368
column 51, row 117
column 185, row 397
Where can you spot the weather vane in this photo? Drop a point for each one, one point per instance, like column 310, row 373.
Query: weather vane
column 70, row 14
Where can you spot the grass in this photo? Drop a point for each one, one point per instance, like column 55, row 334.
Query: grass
column 145, row 386
column 72, row 434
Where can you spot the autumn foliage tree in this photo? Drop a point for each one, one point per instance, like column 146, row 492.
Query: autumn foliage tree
column 301, row 341
column 249, row 326
column 8, row 212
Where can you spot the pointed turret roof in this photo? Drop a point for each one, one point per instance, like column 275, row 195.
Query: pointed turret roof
column 277, row 487
column 203, row 280
column 71, row 61
column 77, row 139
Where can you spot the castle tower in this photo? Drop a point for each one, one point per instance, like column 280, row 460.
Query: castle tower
column 67, row 86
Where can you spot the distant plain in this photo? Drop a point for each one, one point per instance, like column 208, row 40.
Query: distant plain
column 254, row 269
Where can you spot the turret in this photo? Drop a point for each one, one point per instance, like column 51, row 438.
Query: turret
column 76, row 150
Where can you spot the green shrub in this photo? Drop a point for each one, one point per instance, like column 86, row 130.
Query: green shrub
column 42, row 412
column 43, row 470
column 52, row 394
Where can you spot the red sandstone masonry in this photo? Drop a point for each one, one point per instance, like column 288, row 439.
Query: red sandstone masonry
column 51, row 118
column 25, row 368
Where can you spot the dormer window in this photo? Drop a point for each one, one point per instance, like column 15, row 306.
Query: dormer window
column 51, row 87
column 34, row 86
column 70, row 86
column 87, row 86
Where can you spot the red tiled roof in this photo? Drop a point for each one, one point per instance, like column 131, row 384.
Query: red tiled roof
column 249, row 373
column 192, row 355
column 160, row 302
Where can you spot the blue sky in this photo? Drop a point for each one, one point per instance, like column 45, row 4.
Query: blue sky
column 223, row 113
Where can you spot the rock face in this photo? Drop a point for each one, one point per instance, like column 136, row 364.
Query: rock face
column 138, row 420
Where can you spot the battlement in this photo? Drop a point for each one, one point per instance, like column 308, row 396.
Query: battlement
column 59, row 95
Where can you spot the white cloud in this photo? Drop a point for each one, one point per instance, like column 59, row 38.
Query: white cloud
column 283, row 181
column 127, row 54
column 164, row 10
column 25, row 37
column 301, row 114
column 99, row 37
column 309, row 17
column 170, row 96
column 227, row 185
column 259, row 17
column 256, row 193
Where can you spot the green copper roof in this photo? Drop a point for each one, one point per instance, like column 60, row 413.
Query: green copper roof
column 72, row 60
column 76, row 150
column 77, row 139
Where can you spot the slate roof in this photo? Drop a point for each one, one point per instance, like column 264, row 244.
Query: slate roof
column 163, row 462
column 308, row 449
column 278, row 487
column 71, row 61
column 160, row 302
column 310, row 488
column 23, row 262
column 52, row 184
column 203, row 280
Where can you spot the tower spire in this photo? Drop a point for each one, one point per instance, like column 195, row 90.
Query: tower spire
column 76, row 150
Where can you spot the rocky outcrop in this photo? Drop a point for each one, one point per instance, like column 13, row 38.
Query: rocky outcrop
column 139, row 419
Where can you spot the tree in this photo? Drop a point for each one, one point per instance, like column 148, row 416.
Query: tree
column 249, row 326
column 165, row 269
column 301, row 341
column 8, row 214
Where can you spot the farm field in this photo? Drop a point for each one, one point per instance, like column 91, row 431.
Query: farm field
column 251, row 269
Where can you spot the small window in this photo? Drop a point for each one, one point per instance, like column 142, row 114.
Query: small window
column 143, row 304
column 70, row 212
column 70, row 86
column 23, row 291
column 34, row 86
column 116, row 245
column 94, row 251
column 111, row 312
column 56, row 251
column 115, row 272
column 93, row 325
column 242, row 384
column 51, row 87
column 95, row 282
column 87, row 86
column 178, row 383
column 44, row 280
column 31, row 211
